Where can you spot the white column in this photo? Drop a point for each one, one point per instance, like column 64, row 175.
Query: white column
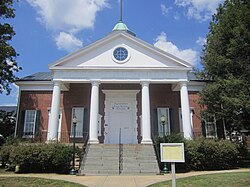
column 94, row 113
column 54, row 114
column 146, row 128
column 185, row 110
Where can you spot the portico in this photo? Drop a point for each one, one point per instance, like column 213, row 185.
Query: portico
column 120, row 58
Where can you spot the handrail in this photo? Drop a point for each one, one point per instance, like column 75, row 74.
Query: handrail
column 85, row 150
column 120, row 159
column 157, row 151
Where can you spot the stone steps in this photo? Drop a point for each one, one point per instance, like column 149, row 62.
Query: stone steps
column 103, row 159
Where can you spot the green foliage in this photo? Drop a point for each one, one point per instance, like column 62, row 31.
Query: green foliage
column 38, row 157
column 205, row 154
column 7, row 123
column 8, row 64
column 225, row 61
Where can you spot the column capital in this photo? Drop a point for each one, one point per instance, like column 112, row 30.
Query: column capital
column 95, row 82
column 183, row 83
column 145, row 82
column 57, row 83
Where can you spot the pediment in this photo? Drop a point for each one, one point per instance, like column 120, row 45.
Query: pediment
column 99, row 55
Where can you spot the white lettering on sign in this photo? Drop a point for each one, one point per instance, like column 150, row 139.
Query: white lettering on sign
column 120, row 106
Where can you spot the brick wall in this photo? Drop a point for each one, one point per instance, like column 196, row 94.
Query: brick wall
column 194, row 104
column 78, row 95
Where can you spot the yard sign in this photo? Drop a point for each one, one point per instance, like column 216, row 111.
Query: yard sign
column 172, row 152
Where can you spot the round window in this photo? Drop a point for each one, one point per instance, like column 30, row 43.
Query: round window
column 120, row 54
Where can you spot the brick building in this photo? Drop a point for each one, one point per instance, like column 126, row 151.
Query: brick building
column 119, row 86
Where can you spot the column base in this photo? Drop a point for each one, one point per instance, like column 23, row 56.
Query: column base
column 146, row 141
column 94, row 141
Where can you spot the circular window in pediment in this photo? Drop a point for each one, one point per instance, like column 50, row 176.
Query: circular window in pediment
column 120, row 54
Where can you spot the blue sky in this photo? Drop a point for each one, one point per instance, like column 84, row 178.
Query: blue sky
column 47, row 30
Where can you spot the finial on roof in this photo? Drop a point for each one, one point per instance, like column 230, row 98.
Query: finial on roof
column 120, row 26
column 120, row 10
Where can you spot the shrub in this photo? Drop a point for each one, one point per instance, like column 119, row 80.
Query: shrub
column 207, row 154
column 204, row 154
column 38, row 157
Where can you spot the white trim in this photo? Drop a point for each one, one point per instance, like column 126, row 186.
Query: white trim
column 39, row 86
column 113, row 36
column 117, row 61
column 163, row 111
column 124, row 96
column 78, row 119
column 25, row 124
column 120, row 75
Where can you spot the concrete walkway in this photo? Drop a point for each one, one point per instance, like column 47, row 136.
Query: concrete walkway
column 121, row 180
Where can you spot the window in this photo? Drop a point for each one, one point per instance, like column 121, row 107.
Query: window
column 120, row 54
column 210, row 127
column 163, row 112
column 78, row 112
column 29, row 123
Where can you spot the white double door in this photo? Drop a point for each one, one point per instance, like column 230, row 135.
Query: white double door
column 120, row 121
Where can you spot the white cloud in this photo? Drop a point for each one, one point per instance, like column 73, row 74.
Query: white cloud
column 67, row 42
column 201, row 10
column 67, row 16
column 188, row 55
column 165, row 9
column 201, row 41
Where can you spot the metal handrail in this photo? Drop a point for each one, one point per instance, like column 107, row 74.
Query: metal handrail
column 85, row 150
column 120, row 152
column 157, row 151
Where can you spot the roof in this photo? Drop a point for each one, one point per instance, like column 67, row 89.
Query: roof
column 9, row 108
column 40, row 76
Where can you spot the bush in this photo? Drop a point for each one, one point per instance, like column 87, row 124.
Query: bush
column 204, row 154
column 207, row 154
column 47, row 158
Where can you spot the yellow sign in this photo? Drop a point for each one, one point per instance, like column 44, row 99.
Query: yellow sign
column 172, row 152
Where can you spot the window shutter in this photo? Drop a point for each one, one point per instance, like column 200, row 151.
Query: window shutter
column 171, row 116
column 21, row 124
column 220, row 129
column 86, row 121
column 203, row 128
column 37, row 123
column 155, row 122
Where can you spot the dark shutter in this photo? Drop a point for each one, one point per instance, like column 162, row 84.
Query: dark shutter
column 86, row 121
column 203, row 128
column 37, row 123
column 155, row 122
column 171, row 116
column 21, row 124
column 220, row 129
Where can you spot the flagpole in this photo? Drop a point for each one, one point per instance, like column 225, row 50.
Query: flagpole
column 120, row 10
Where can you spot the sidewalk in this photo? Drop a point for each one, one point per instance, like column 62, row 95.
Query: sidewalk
column 120, row 180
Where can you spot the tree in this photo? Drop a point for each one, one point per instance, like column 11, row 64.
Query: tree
column 8, row 54
column 226, row 65
column 7, row 124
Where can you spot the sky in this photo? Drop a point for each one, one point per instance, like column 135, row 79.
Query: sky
column 47, row 30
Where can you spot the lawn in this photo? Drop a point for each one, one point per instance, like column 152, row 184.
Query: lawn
column 212, row 180
column 34, row 182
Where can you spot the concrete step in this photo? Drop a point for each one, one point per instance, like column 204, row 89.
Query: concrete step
column 104, row 159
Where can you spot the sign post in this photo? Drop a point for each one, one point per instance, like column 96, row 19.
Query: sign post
column 172, row 152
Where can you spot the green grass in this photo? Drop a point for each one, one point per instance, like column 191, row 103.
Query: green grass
column 212, row 180
column 34, row 182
